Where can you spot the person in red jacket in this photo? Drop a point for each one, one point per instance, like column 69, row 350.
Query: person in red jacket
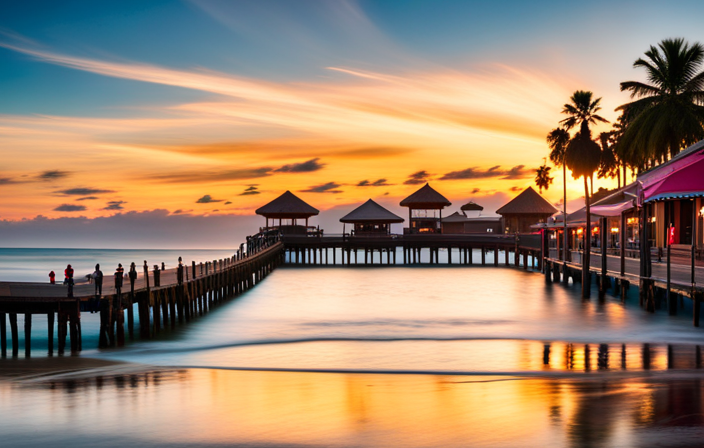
column 68, row 273
column 52, row 278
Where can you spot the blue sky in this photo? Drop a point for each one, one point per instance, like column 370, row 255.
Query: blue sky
column 157, row 104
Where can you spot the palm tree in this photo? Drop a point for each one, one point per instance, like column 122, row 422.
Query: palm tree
column 609, row 164
column 582, row 157
column 542, row 177
column 582, row 111
column 558, row 139
column 668, row 113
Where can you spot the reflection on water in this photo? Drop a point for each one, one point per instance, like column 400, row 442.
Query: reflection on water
column 500, row 359
column 220, row 407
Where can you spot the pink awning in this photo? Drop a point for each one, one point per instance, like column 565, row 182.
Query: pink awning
column 682, row 182
column 612, row 209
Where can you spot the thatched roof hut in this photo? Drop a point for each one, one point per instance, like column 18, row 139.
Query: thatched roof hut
column 371, row 218
column 524, row 210
column 426, row 198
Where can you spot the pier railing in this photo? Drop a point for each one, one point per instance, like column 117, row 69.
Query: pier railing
column 163, row 299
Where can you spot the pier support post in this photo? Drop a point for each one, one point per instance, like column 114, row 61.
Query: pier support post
column 496, row 256
column 15, row 335
column 104, row 325
column 483, row 250
column 27, row 335
column 120, row 320
column 50, row 332
column 63, row 319
column 671, row 298
column 696, row 305
column 3, row 335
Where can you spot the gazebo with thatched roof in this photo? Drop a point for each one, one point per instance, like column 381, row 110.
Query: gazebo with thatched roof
column 472, row 207
column 425, row 210
column 370, row 219
column 524, row 210
column 287, row 208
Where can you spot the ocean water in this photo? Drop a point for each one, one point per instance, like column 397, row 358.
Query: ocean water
column 380, row 356
column 34, row 265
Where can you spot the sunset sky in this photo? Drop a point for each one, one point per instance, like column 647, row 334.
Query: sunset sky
column 122, row 110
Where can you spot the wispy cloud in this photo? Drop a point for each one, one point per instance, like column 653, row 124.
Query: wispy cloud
column 70, row 208
column 207, row 199
column 329, row 187
column 419, row 177
column 115, row 205
column 83, row 191
column 304, row 167
column 376, row 183
column 517, row 172
column 251, row 190
column 53, row 175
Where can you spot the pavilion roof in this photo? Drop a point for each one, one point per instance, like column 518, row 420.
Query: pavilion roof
column 370, row 211
column 471, row 206
column 455, row 217
column 287, row 206
column 426, row 198
column 529, row 202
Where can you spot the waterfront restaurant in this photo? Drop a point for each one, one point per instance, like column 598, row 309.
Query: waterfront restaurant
column 425, row 210
column 525, row 210
column 370, row 219
column 288, row 209
column 673, row 197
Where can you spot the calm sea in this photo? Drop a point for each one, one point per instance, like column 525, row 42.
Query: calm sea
column 381, row 356
column 34, row 265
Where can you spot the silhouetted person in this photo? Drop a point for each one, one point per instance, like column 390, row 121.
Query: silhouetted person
column 133, row 276
column 163, row 266
column 98, row 278
column 68, row 280
column 157, row 277
column 52, row 278
column 179, row 271
column 119, row 273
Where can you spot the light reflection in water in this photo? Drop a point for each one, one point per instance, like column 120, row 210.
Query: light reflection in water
column 316, row 409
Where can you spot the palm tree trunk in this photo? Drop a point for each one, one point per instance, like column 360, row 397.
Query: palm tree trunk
column 618, row 175
column 564, row 214
column 591, row 181
column 586, row 285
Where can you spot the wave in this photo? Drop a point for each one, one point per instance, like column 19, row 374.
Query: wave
column 185, row 349
column 598, row 375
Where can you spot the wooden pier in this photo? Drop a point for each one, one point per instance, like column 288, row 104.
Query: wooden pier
column 164, row 299
column 518, row 250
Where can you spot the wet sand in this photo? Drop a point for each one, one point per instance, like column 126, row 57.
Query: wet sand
column 87, row 402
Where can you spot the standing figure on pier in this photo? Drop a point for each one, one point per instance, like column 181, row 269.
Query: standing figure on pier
column 133, row 276
column 52, row 278
column 179, row 271
column 119, row 273
column 68, row 273
column 98, row 278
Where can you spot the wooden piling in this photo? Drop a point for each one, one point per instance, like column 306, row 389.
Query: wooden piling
column 63, row 319
column 3, row 335
column 27, row 335
column 50, row 332
column 15, row 335
column 696, row 298
column 119, row 313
